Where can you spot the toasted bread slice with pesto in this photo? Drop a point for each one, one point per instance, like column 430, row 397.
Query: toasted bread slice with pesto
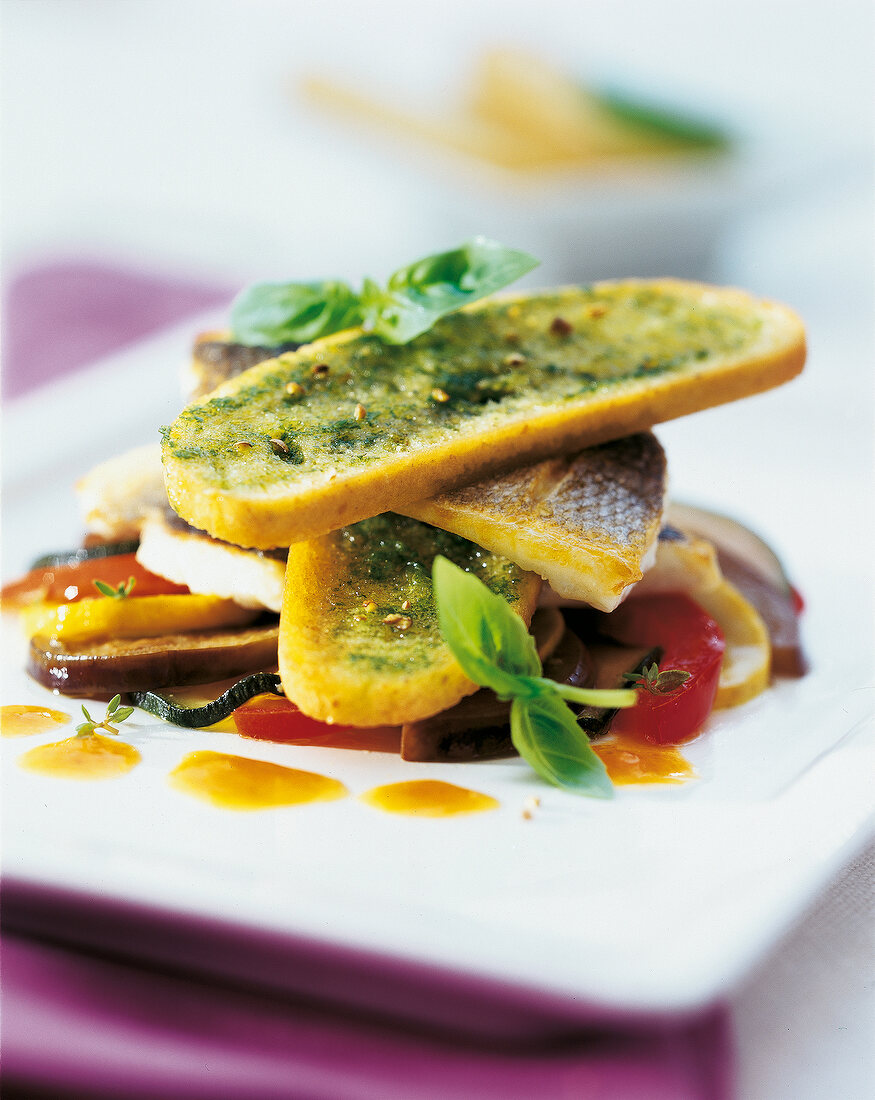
column 587, row 524
column 359, row 639
column 349, row 427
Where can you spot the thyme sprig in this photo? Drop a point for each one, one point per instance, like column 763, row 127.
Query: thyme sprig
column 114, row 714
column 656, row 681
column 121, row 593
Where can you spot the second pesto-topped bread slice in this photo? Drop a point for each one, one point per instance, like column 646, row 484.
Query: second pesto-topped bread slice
column 360, row 642
column 348, row 427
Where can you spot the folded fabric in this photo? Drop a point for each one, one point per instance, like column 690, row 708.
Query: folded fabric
column 78, row 1025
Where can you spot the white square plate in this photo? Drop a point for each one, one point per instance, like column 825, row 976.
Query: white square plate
column 657, row 901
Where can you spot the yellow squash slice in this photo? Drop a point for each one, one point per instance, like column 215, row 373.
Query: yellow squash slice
column 747, row 660
column 689, row 564
column 103, row 618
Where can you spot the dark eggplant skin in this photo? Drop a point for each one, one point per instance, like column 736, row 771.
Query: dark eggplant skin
column 477, row 727
column 778, row 611
column 145, row 664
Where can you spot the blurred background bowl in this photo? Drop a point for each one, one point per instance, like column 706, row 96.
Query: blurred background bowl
column 176, row 136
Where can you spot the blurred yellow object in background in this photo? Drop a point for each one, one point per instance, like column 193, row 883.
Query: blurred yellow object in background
column 519, row 112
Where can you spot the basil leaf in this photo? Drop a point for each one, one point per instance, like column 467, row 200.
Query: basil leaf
column 417, row 295
column 661, row 121
column 545, row 734
column 270, row 314
column 487, row 638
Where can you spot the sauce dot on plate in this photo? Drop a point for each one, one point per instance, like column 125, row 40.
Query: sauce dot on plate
column 91, row 757
column 629, row 762
column 428, row 798
column 22, row 721
column 239, row 783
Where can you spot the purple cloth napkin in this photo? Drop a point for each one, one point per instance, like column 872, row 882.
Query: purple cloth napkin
column 78, row 1024
column 83, row 1026
column 66, row 314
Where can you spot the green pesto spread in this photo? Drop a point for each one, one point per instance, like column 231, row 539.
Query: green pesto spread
column 385, row 563
column 354, row 404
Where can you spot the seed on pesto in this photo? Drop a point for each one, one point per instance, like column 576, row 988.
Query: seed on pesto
column 400, row 622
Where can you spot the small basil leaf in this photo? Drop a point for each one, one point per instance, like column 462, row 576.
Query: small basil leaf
column 546, row 735
column 487, row 638
column 270, row 314
column 417, row 295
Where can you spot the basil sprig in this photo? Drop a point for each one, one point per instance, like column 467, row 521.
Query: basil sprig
column 414, row 297
column 495, row 650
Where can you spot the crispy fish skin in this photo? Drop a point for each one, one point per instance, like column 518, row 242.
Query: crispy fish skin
column 584, row 523
column 216, row 357
column 359, row 640
column 595, row 364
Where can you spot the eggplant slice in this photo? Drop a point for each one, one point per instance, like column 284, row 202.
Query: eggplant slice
column 144, row 664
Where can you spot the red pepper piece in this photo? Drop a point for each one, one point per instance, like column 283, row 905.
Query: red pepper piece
column 692, row 642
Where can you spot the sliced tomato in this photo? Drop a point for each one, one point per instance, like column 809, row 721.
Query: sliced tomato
column 692, row 642
column 275, row 718
column 69, row 583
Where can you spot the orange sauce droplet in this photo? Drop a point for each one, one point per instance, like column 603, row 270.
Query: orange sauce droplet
column 629, row 761
column 21, row 721
column 239, row 783
column 92, row 757
column 428, row 798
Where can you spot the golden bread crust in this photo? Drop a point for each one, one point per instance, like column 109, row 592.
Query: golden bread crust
column 340, row 662
column 296, row 504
